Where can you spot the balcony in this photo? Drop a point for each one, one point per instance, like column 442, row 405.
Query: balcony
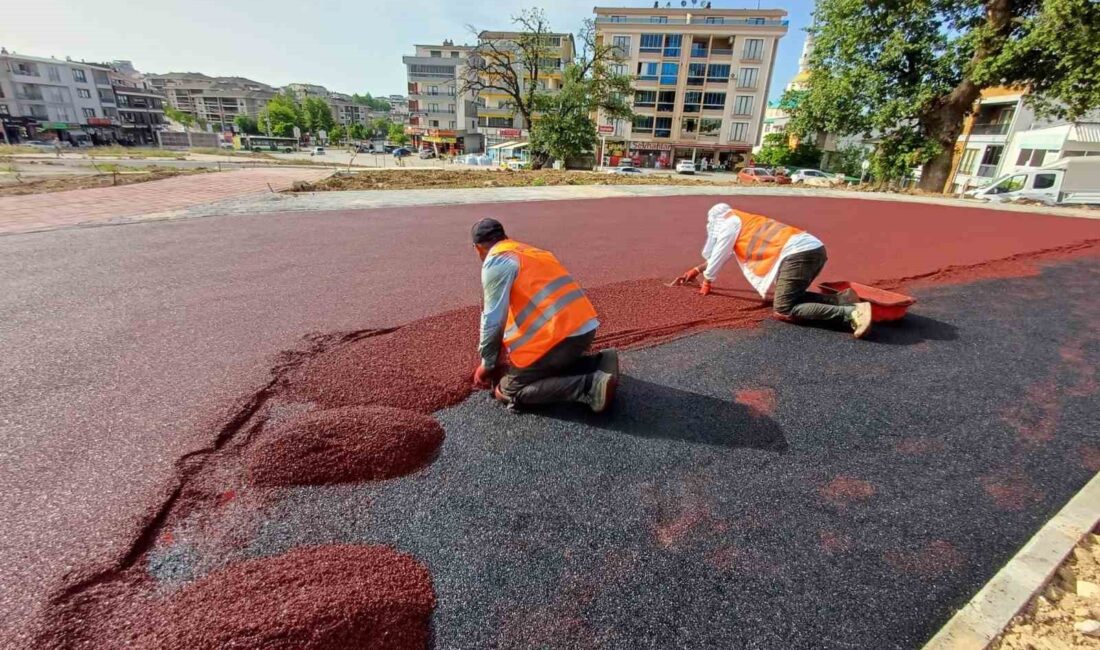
column 698, row 53
column 720, row 51
column 990, row 128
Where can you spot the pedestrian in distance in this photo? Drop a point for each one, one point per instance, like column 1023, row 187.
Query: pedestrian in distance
column 770, row 252
column 540, row 318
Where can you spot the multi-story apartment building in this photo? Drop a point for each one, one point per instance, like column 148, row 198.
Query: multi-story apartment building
column 215, row 100
column 399, row 108
column 438, row 113
column 344, row 110
column 54, row 99
column 701, row 80
column 497, row 118
column 140, row 108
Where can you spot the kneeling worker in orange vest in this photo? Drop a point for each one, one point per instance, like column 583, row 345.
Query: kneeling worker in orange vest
column 772, row 252
column 545, row 322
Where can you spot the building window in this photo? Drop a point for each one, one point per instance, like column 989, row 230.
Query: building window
column 967, row 164
column 1031, row 157
column 495, row 122
column 662, row 127
column 755, row 21
column 990, row 159
column 4, row 109
column 747, row 78
column 78, row 75
column 666, row 101
column 433, row 108
column 647, row 71
column 709, row 126
column 621, row 45
column 697, row 74
column 672, row 45
column 53, row 74
column 739, row 131
column 742, row 105
column 714, row 101
column 689, row 125
column 714, row 20
column 618, row 19
column 658, row 19
column 26, row 69
column 645, row 98
column 718, row 72
column 617, row 69
column 434, row 123
column 453, row 124
column 450, row 108
column 651, row 43
column 669, row 73
column 754, row 49
column 436, row 54
column 643, row 124
column 454, row 55
column 692, row 101
column 83, row 93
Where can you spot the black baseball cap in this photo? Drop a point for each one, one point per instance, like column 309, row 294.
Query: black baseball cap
column 488, row 231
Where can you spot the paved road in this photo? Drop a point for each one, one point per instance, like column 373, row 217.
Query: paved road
column 123, row 345
column 35, row 212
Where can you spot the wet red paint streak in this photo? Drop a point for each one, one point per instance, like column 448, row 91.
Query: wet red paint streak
column 932, row 560
column 1035, row 418
column 1089, row 456
column 1011, row 490
column 845, row 490
column 759, row 401
column 343, row 445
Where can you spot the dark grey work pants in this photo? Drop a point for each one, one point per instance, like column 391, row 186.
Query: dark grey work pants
column 564, row 374
column 792, row 295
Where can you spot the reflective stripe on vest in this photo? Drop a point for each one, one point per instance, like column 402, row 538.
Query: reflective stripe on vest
column 545, row 306
column 760, row 241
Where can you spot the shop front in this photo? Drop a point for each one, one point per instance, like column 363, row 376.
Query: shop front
column 18, row 129
column 443, row 142
column 101, row 130
column 664, row 155
column 63, row 131
column 651, row 155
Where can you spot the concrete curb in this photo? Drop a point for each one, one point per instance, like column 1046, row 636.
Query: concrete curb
column 987, row 614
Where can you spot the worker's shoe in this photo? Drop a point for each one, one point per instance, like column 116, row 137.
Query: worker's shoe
column 602, row 392
column 861, row 319
column 500, row 396
column 848, row 297
column 609, row 362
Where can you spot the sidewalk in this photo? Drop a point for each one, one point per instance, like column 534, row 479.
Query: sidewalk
column 154, row 199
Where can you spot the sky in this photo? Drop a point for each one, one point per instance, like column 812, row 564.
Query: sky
column 350, row 47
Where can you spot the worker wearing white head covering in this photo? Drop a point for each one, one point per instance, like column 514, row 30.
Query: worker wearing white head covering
column 770, row 252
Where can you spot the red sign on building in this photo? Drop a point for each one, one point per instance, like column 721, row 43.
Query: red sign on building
column 511, row 133
column 607, row 128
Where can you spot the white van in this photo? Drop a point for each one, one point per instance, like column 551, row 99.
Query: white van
column 1070, row 181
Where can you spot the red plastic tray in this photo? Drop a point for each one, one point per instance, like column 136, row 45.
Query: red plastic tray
column 885, row 305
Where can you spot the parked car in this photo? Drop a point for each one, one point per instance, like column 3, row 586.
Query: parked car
column 685, row 167
column 752, row 175
column 624, row 170
column 317, row 151
column 813, row 177
column 426, row 154
column 401, row 152
column 1070, row 181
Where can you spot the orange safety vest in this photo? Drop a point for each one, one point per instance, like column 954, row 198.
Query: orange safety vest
column 760, row 242
column 546, row 304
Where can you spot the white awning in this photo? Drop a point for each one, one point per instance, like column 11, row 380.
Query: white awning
column 503, row 145
column 517, row 145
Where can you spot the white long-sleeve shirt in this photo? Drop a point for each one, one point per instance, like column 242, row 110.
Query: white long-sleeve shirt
column 722, row 233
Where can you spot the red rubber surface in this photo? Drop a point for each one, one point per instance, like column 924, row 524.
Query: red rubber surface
column 127, row 346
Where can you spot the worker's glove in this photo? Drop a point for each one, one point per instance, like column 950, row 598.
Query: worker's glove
column 688, row 276
column 483, row 377
column 705, row 289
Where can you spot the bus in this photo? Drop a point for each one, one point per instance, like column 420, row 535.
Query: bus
column 268, row 143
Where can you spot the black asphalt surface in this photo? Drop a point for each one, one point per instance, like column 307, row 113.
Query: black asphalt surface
column 894, row 478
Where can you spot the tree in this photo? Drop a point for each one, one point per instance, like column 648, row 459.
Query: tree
column 909, row 72
column 515, row 66
column 563, row 125
column 318, row 115
column 186, row 120
column 374, row 103
column 246, row 124
column 397, row 135
column 777, row 152
column 357, row 131
column 336, row 133
column 281, row 115
column 380, row 126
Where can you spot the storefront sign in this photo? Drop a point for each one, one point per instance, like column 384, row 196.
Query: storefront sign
column 99, row 121
column 510, row 133
column 441, row 133
column 651, row 146
column 60, row 126
column 413, row 130
column 607, row 128
column 440, row 139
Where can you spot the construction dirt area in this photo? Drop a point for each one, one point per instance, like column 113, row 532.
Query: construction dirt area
column 419, row 179
column 260, row 431
column 20, row 186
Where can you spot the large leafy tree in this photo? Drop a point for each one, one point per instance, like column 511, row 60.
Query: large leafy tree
column 514, row 66
column 246, row 124
column 186, row 120
column 396, row 134
column 777, row 152
column 318, row 115
column 281, row 115
column 373, row 103
column 909, row 71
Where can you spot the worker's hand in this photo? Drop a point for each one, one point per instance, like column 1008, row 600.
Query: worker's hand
column 705, row 289
column 482, row 376
column 688, row 276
